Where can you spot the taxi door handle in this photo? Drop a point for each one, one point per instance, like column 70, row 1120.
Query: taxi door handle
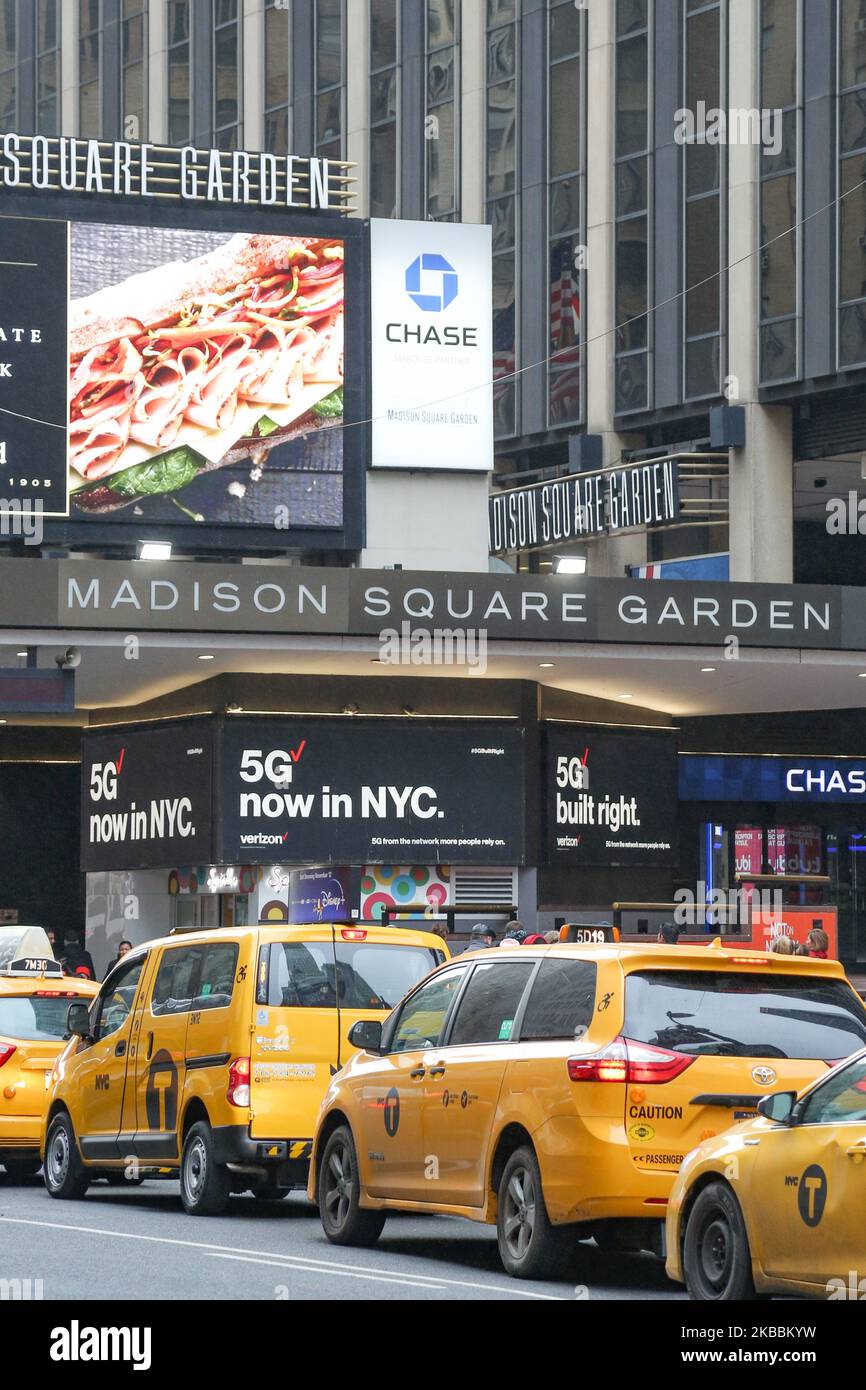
column 438, row 1070
column 417, row 1074
column 857, row 1150
column 149, row 1045
column 120, row 1049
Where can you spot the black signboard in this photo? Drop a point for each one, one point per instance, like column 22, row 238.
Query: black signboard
column 33, row 365
column 364, row 791
column 146, row 797
column 610, row 798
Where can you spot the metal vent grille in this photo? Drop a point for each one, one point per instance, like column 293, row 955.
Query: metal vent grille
column 485, row 886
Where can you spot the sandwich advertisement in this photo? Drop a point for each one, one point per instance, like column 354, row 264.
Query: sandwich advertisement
column 204, row 371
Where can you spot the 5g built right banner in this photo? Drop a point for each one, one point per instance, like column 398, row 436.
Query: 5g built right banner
column 610, row 798
column 432, row 345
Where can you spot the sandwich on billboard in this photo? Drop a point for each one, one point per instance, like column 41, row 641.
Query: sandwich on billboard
column 432, row 348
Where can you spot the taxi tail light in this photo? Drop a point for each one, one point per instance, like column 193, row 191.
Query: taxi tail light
column 239, row 1082
column 5, row 1053
column 631, row 1062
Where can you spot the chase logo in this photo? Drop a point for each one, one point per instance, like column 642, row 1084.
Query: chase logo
column 431, row 272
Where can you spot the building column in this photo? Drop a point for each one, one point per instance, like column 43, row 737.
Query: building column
column 761, row 482
column 157, row 73
column 473, row 97
column 609, row 557
column 253, row 55
column 68, row 69
column 358, row 101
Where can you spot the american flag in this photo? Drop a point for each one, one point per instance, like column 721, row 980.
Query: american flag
column 564, row 330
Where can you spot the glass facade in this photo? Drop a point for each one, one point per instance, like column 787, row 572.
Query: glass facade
column 330, row 78
column 227, row 81
column 277, row 113
column 133, row 94
column 8, row 64
column 442, row 110
column 565, row 145
column 384, row 108
column 632, row 193
column 501, row 156
column 851, row 125
column 704, row 174
column 90, row 41
column 179, row 72
column 779, row 191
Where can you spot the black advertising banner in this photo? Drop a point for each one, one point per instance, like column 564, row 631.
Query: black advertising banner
column 363, row 791
column 34, row 268
column 146, row 797
column 610, row 798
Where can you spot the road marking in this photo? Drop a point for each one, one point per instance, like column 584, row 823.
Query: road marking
column 316, row 1265
column 413, row 1281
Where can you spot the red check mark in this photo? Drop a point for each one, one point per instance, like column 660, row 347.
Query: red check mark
column 120, row 760
column 285, row 837
column 295, row 753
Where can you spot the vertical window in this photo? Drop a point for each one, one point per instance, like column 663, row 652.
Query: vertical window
column 565, row 168
column 704, row 175
column 442, row 125
column 276, row 78
column 851, row 126
column 384, row 108
column 226, row 75
column 133, row 93
column 501, row 202
column 779, row 157
column 632, row 180
column 179, row 73
column 47, row 68
column 330, row 78
column 89, row 64
column 8, row 59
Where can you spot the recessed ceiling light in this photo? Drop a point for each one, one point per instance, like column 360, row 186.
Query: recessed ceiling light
column 571, row 564
column 154, row 550
column 862, row 676
column 4, row 721
column 546, row 665
column 24, row 653
column 708, row 670
column 206, row 656
column 625, row 697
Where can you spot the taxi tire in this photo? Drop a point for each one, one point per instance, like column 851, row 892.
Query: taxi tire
column 547, row 1247
column 352, row 1225
column 205, row 1185
column 716, row 1234
column 75, row 1179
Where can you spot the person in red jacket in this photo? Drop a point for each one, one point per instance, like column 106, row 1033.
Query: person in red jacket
column 818, row 943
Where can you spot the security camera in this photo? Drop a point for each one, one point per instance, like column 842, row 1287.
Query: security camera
column 70, row 659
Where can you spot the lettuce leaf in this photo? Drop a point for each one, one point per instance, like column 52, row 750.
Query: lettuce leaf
column 331, row 406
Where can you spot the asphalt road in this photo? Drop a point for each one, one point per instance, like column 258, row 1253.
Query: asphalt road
column 138, row 1244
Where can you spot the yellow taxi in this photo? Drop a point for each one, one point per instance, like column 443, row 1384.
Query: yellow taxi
column 556, row 1090
column 205, row 1055
column 34, row 999
column 776, row 1205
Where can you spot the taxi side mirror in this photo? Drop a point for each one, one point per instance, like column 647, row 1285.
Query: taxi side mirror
column 778, row 1107
column 366, row 1035
column 78, row 1020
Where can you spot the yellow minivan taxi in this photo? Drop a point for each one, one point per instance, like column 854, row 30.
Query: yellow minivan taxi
column 775, row 1206
column 556, row 1090
column 34, row 1001
column 206, row 1055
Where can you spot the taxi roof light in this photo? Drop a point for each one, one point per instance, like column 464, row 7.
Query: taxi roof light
column 631, row 1062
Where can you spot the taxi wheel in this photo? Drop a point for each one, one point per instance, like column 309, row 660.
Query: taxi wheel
column 205, row 1185
column 716, row 1259
column 65, row 1174
column 529, row 1247
column 18, row 1169
column 343, row 1220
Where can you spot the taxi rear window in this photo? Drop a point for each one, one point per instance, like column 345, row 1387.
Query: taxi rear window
column 708, row 1013
column 31, row 1019
column 366, row 975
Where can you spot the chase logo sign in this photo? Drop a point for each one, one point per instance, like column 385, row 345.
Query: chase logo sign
column 431, row 282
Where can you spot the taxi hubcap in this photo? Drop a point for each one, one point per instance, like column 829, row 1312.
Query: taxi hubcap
column 716, row 1252
column 338, row 1188
column 196, row 1168
column 58, row 1157
column 519, row 1213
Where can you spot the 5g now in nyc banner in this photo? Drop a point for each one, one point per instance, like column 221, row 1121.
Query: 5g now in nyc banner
column 432, row 346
